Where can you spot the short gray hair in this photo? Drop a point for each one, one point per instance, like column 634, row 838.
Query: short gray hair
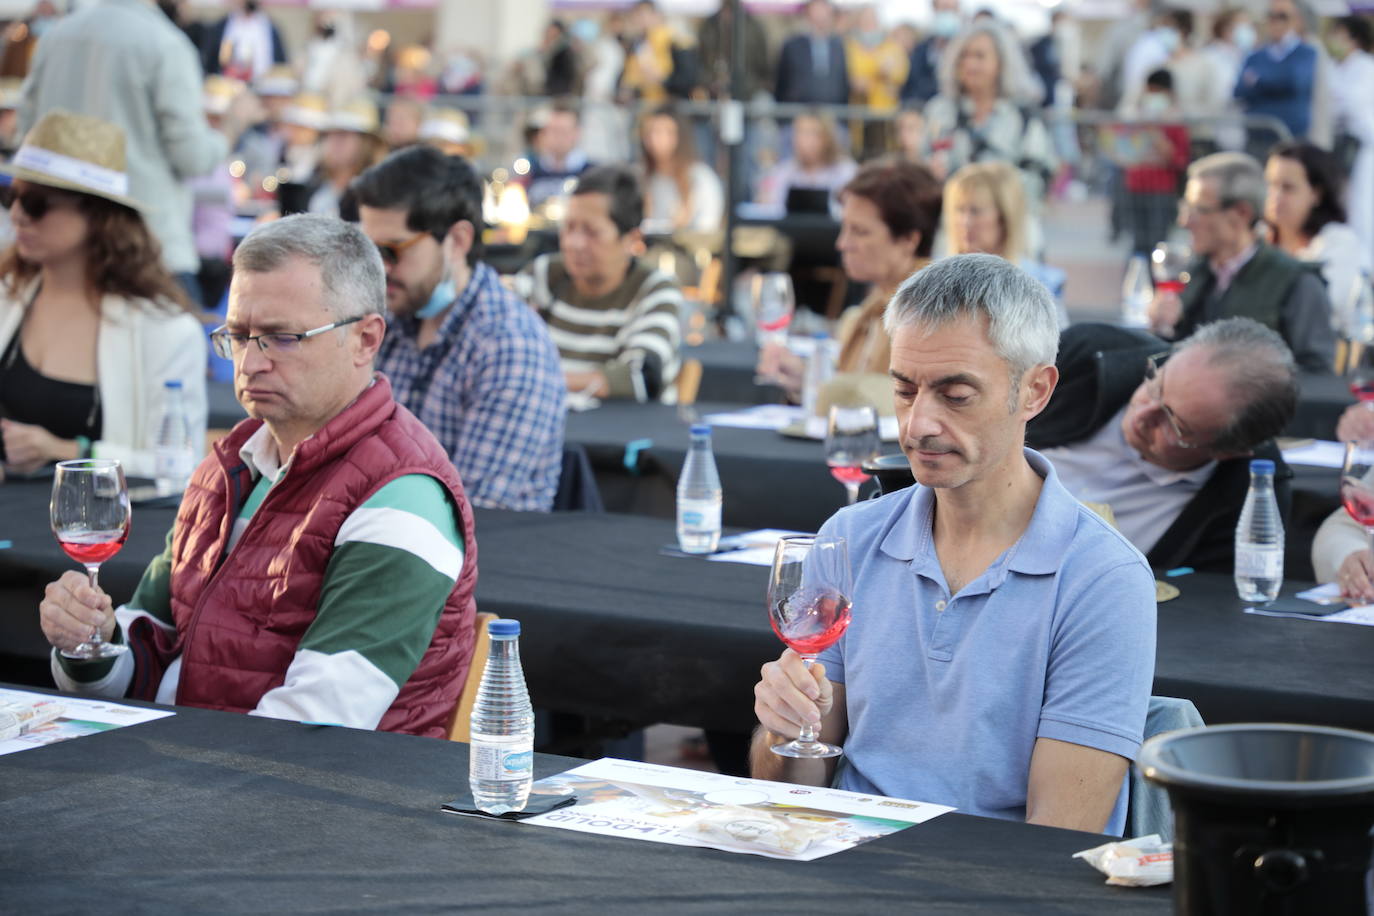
column 1014, row 80
column 350, row 265
column 1239, row 179
column 1023, row 322
column 1262, row 380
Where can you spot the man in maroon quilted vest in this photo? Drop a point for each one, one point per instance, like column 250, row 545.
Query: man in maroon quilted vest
column 322, row 563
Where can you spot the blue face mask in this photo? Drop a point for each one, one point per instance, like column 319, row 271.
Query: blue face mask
column 440, row 299
column 945, row 24
column 1244, row 36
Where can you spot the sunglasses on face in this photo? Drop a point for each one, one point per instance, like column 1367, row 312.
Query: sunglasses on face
column 391, row 253
column 36, row 202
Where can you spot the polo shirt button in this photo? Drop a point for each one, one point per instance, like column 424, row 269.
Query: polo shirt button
column 940, row 605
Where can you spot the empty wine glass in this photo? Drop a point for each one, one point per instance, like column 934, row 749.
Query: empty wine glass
column 1360, row 374
column 809, row 594
column 90, row 518
column 851, row 438
column 774, row 305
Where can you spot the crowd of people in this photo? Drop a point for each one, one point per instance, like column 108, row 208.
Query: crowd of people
column 394, row 379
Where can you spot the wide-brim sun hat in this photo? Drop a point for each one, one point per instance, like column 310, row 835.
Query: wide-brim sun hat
column 307, row 110
column 446, row 125
column 358, row 117
column 9, row 93
column 219, row 92
column 279, row 82
column 74, row 152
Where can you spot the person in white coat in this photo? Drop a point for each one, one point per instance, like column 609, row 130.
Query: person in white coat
column 92, row 326
column 1352, row 40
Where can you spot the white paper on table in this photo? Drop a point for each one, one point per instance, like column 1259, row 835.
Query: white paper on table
column 646, row 801
column 84, row 716
column 764, row 416
column 1320, row 453
column 888, row 429
column 758, row 548
column 1322, row 594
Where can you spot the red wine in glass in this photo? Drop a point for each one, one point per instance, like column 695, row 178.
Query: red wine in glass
column 849, row 473
column 1358, row 500
column 90, row 519
column 809, row 592
column 1169, row 267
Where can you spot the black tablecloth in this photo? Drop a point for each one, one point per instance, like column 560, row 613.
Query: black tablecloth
column 614, row 629
column 728, row 373
column 215, row 812
column 1321, row 400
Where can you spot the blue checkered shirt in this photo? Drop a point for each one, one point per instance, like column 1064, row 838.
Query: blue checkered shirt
column 491, row 390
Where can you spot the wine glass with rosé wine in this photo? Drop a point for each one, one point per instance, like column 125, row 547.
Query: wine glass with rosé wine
column 808, row 605
column 1357, row 484
column 90, row 518
column 851, row 438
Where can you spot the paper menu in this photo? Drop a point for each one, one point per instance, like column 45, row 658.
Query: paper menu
column 646, row 801
column 1318, row 453
column 757, row 547
column 83, row 716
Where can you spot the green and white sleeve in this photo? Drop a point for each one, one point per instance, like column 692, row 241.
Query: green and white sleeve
column 395, row 561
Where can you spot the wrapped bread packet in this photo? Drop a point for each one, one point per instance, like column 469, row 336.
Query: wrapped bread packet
column 1142, row 862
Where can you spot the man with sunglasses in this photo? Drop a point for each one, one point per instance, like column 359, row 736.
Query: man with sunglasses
column 1278, row 77
column 462, row 352
column 1236, row 274
column 1163, row 437
column 322, row 563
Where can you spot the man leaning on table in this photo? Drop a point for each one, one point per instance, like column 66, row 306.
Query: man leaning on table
column 322, row 563
column 1002, row 645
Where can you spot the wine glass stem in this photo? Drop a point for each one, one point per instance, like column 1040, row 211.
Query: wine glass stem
column 93, row 576
column 852, row 489
column 808, row 731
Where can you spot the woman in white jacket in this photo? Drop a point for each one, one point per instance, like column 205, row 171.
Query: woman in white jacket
column 91, row 324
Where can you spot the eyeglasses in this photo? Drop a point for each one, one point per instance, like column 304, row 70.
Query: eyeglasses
column 276, row 344
column 1277, row 16
column 1185, row 208
column 35, row 202
column 391, row 254
column 1154, row 381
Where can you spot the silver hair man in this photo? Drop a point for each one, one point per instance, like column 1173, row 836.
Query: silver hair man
column 1022, row 320
column 1236, row 177
column 350, row 266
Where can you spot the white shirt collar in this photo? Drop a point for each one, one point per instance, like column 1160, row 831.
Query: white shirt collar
column 260, row 453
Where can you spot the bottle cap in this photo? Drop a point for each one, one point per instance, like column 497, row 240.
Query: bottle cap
column 172, row 383
column 1261, row 466
column 821, row 335
column 701, row 429
column 504, row 627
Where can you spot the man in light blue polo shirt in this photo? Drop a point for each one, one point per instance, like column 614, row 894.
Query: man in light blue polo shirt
column 1002, row 645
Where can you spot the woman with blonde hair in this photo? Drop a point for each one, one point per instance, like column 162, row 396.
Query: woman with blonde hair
column 986, row 112
column 985, row 211
column 680, row 191
column 92, row 326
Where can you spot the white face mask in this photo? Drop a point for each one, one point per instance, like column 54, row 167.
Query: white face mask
column 945, row 24
column 1154, row 103
column 1243, row 36
column 1168, row 38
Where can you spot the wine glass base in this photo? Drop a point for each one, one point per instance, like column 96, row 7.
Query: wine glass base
column 94, row 650
column 812, row 750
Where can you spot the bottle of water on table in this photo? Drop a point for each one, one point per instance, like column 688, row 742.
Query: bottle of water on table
column 501, row 752
column 699, row 496
column 1259, row 538
column 819, row 369
column 175, row 455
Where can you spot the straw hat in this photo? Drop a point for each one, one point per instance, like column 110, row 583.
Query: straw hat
column 76, row 153
column 219, row 92
column 358, row 116
column 9, row 93
column 279, row 81
column 307, row 110
column 446, row 125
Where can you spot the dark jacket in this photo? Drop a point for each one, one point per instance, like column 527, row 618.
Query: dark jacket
column 923, row 79
column 713, row 43
column 798, row 80
column 213, row 37
column 1100, row 367
column 1280, row 292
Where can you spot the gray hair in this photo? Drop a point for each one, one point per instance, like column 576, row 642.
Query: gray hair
column 1014, row 80
column 1262, row 380
column 350, row 265
column 1023, row 323
column 1239, row 179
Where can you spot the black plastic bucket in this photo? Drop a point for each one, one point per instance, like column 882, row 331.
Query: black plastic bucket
column 1268, row 819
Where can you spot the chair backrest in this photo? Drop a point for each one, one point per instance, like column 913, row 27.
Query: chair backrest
column 688, row 381
column 1149, row 811
column 460, row 727
column 577, row 488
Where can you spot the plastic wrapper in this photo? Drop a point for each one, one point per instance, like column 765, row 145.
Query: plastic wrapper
column 1142, row 862
column 753, row 830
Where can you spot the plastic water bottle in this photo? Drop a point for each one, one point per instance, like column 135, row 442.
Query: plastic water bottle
column 175, row 455
column 1136, row 293
column 699, row 497
column 501, row 752
column 1259, row 538
column 818, row 372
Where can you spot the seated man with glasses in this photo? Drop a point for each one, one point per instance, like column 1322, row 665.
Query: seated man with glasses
column 1236, row 274
column 1164, row 438
column 462, row 352
column 322, row 563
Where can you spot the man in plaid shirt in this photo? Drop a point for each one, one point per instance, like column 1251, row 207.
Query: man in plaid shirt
column 463, row 353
